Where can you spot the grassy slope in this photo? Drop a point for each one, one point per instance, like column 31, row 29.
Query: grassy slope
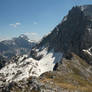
column 72, row 75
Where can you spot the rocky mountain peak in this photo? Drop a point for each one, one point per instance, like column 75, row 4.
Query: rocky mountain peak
column 87, row 9
column 23, row 37
column 73, row 34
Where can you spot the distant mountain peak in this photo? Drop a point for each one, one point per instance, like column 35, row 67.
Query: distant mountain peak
column 16, row 46
column 24, row 37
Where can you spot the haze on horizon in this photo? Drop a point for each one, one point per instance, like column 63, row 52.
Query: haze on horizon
column 34, row 18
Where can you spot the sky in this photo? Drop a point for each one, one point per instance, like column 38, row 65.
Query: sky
column 35, row 18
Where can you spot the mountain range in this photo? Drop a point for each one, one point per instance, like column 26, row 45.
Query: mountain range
column 15, row 47
column 60, row 62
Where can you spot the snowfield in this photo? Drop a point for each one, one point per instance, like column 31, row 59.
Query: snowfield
column 27, row 67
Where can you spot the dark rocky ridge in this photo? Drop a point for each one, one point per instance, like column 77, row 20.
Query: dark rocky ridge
column 3, row 61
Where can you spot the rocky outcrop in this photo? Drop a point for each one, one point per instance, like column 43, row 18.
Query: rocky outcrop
column 2, row 61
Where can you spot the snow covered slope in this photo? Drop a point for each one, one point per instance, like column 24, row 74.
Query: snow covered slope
column 26, row 66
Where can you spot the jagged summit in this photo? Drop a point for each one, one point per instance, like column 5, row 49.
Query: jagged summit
column 24, row 37
column 87, row 9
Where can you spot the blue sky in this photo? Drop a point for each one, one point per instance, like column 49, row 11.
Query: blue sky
column 34, row 18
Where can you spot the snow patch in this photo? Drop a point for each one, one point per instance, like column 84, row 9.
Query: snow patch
column 65, row 19
column 82, row 8
column 89, row 29
column 48, row 62
column 26, row 67
column 88, row 51
column 43, row 52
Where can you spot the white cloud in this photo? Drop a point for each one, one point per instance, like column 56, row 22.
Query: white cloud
column 35, row 23
column 16, row 24
column 33, row 36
